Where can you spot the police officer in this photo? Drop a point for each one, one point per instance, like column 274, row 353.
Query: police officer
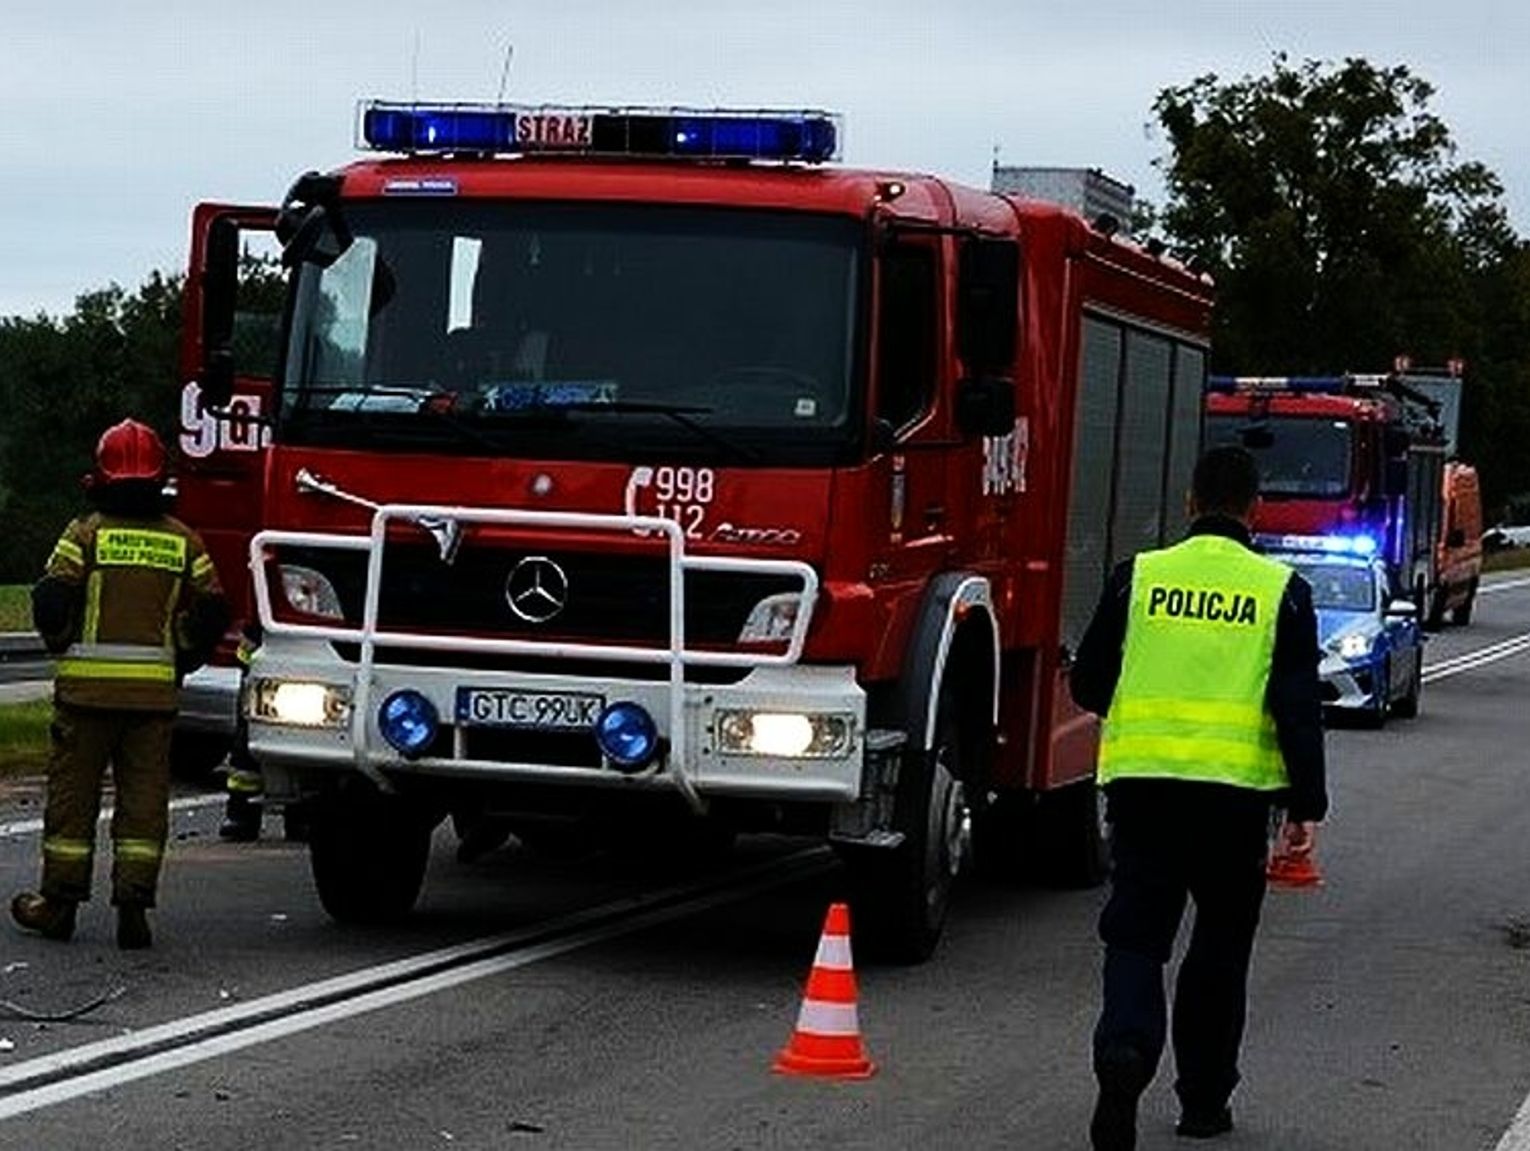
column 131, row 601
column 1202, row 658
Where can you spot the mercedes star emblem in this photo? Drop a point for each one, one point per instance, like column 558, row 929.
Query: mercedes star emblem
column 537, row 589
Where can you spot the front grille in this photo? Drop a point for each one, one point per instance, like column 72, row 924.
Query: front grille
column 611, row 598
column 604, row 669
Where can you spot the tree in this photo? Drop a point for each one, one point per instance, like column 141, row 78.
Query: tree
column 1328, row 204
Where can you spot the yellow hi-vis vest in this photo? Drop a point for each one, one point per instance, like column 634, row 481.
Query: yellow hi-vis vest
column 1190, row 703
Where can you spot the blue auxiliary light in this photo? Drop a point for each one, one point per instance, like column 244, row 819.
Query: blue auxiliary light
column 674, row 133
column 627, row 735
column 409, row 722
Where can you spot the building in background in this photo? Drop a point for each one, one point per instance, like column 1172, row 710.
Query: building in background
column 1088, row 191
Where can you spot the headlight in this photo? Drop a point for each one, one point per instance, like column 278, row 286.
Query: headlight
column 784, row 735
column 297, row 703
column 310, row 592
column 772, row 619
column 1355, row 646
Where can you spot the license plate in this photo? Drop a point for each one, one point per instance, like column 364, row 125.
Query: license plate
column 537, row 710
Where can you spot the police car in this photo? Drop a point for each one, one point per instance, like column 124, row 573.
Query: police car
column 1372, row 645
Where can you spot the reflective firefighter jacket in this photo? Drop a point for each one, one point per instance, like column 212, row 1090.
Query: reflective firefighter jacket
column 143, row 586
column 1190, row 703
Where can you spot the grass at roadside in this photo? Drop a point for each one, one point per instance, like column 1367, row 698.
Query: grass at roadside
column 1510, row 560
column 24, row 737
column 15, row 607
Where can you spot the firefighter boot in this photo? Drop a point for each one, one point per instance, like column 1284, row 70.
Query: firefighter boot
column 241, row 820
column 50, row 918
column 133, row 927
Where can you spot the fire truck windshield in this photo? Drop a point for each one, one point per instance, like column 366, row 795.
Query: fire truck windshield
column 1300, row 457
column 655, row 327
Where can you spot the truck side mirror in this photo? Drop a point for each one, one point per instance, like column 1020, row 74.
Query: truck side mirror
column 986, row 406
column 220, row 282
column 318, row 237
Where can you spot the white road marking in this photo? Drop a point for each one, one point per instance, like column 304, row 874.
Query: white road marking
column 185, row 803
column 1482, row 657
column 1502, row 585
column 1517, row 1137
column 328, row 1001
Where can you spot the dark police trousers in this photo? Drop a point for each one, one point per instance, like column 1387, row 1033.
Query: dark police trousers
column 1170, row 840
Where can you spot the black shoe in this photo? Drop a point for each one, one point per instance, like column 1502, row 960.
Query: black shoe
column 133, row 927
column 1198, row 1124
column 1123, row 1077
column 239, row 830
column 50, row 918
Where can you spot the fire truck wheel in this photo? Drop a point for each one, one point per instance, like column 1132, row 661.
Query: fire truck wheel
column 902, row 895
column 368, row 853
column 1407, row 706
column 1435, row 619
column 1001, row 837
column 1073, row 840
column 194, row 756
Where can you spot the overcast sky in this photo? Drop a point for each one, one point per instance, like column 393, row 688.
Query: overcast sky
column 116, row 116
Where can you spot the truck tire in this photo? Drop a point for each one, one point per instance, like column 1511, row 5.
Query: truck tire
column 1434, row 620
column 1462, row 614
column 368, row 854
column 1407, row 706
column 1001, row 838
column 901, row 895
column 195, row 755
column 1072, row 839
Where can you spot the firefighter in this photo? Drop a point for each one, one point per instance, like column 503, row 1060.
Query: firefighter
column 1202, row 658
column 131, row 603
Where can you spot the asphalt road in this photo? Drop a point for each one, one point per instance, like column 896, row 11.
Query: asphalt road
column 619, row 1003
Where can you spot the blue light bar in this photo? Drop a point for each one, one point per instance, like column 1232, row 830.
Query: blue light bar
column 679, row 133
column 1359, row 545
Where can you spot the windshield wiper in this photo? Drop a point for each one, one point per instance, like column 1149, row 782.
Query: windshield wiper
column 680, row 414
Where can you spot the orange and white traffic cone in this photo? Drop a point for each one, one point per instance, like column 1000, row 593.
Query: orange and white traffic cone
column 1294, row 870
column 827, row 1038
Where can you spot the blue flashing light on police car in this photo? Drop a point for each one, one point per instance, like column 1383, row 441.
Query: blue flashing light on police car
column 627, row 735
column 810, row 137
column 409, row 722
column 1363, row 546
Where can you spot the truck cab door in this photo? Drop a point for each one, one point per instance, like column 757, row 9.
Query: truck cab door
column 220, row 453
column 911, row 360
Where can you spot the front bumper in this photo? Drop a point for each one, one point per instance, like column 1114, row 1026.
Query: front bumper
column 508, row 755
column 1349, row 685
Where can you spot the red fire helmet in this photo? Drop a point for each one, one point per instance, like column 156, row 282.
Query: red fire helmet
column 129, row 451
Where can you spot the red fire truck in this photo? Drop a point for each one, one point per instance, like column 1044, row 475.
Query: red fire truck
column 645, row 469
column 1353, row 461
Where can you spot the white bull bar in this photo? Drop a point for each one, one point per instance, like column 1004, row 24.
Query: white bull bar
column 369, row 636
